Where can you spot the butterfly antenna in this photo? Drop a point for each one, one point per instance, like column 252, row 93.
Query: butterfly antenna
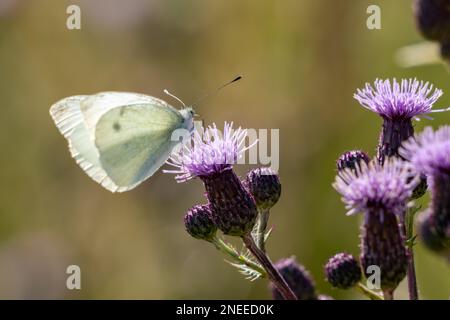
column 175, row 97
column 216, row 90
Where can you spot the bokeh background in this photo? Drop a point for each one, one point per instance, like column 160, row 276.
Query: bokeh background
column 301, row 60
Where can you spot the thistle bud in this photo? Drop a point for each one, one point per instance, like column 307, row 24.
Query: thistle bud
column 352, row 159
column 264, row 185
column 430, row 235
column 343, row 271
column 440, row 200
column 382, row 246
column 297, row 278
column 199, row 224
column 433, row 18
column 233, row 208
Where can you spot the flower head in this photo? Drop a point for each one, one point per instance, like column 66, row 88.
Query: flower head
column 211, row 157
column 431, row 234
column 405, row 100
column 387, row 186
column 209, row 153
column 433, row 19
column 429, row 152
column 343, row 271
column 298, row 279
column 199, row 224
column 352, row 159
column 265, row 187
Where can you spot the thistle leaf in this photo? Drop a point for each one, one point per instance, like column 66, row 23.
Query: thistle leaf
column 249, row 273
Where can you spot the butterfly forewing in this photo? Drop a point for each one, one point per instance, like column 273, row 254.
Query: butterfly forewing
column 118, row 138
column 135, row 141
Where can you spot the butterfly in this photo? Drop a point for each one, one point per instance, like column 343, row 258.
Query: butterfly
column 120, row 139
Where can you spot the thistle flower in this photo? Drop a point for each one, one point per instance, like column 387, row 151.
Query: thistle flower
column 265, row 187
column 199, row 224
column 374, row 185
column 352, row 159
column 429, row 153
column 297, row 278
column 397, row 103
column 380, row 192
column 211, row 158
column 343, row 271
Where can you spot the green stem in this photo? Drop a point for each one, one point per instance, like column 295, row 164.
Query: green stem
column 272, row 273
column 261, row 231
column 369, row 293
column 406, row 229
column 225, row 248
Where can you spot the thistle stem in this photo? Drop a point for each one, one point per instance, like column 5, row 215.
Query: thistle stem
column 369, row 293
column 225, row 248
column 411, row 271
column 261, row 231
column 272, row 272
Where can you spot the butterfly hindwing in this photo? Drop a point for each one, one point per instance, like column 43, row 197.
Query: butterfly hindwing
column 70, row 122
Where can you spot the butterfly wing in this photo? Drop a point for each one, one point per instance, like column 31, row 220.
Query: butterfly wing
column 135, row 141
column 95, row 106
column 70, row 122
column 77, row 117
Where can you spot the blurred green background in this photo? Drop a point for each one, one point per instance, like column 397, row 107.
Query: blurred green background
column 301, row 60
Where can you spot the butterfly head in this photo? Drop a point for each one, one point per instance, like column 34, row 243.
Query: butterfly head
column 188, row 114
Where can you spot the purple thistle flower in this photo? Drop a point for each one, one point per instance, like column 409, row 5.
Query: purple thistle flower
column 397, row 103
column 208, row 154
column 380, row 192
column 211, row 159
column 429, row 153
column 298, row 279
column 405, row 100
column 386, row 186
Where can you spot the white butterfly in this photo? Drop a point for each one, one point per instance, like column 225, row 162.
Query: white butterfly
column 119, row 138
